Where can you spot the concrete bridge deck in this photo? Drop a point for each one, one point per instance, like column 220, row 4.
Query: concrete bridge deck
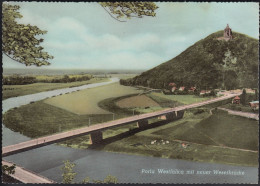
column 27, row 176
column 42, row 141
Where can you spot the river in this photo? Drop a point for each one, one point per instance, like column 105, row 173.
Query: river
column 48, row 160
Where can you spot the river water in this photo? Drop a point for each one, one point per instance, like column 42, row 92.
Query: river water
column 48, row 160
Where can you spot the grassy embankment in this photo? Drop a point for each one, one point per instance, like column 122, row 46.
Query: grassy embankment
column 218, row 138
column 21, row 90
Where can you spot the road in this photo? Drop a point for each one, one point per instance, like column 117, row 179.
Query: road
column 243, row 114
column 39, row 142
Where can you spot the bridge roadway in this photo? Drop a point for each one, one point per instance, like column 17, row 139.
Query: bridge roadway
column 46, row 140
column 27, row 176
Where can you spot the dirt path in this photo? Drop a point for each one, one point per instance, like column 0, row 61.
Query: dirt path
column 243, row 114
column 220, row 146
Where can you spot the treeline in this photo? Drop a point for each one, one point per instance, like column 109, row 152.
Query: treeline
column 23, row 80
column 66, row 79
column 18, row 80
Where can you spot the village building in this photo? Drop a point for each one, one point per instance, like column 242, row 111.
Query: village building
column 173, row 89
column 249, row 90
column 202, row 92
column 236, row 100
column 181, row 88
column 254, row 104
column 192, row 89
column 172, row 85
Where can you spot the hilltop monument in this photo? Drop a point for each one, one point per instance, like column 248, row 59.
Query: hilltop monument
column 227, row 34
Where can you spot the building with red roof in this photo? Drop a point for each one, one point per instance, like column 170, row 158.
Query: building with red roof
column 236, row 100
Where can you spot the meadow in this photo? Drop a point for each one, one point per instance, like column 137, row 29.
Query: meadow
column 184, row 99
column 86, row 101
column 137, row 101
column 219, row 138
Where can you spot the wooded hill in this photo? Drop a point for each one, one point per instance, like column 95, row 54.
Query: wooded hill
column 209, row 63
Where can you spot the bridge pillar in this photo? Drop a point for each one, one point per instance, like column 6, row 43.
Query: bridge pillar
column 180, row 114
column 96, row 137
column 142, row 123
column 171, row 116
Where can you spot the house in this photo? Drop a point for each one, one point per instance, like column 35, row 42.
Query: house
column 181, row 88
column 202, row 92
column 254, row 104
column 249, row 90
column 236, row 100
column 192, row 89
column 173, row 89
column 172, row 85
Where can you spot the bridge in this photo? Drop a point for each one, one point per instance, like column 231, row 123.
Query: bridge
column 26, row 176
column 95, row 131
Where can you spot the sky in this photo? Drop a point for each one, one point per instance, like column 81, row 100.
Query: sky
column 84, row 36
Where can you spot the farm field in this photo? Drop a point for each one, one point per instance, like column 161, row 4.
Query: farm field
column 184, row 99
column 86, row 101
column 21, row 90
column 219, row 138
column 137, row 101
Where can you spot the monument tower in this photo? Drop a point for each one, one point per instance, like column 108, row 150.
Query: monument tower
column 227, row 33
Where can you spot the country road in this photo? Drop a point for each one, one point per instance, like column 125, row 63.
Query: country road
column 243, row 114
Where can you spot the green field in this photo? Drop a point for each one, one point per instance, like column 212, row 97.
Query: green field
column 184, row 99
column 137, row 101
column 220, row 138
column 21, row 90
column 86, row 101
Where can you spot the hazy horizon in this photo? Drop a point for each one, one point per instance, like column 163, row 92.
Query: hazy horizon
column 40, row 71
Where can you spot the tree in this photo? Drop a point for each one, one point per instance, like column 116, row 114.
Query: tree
column 129, row 9
column 108, row 179
column 243, row 97
column 68, row 173
column 8, row 169
column 256, row 94
column 19, row 41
